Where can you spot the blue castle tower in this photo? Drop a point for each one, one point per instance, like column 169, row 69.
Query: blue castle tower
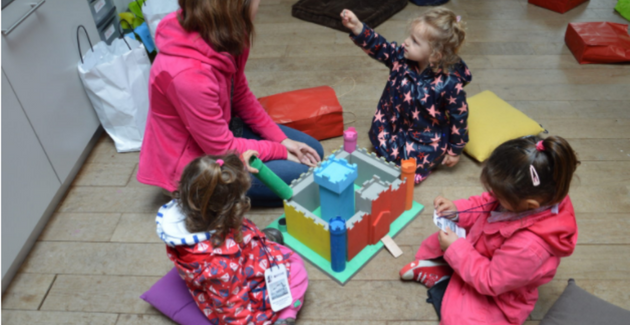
column 336, row 178
column 338, row 244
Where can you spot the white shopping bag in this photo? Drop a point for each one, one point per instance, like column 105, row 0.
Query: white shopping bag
column 154, row 10
column 116, row 80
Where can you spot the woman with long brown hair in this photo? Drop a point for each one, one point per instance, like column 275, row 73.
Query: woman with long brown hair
column 200, row 101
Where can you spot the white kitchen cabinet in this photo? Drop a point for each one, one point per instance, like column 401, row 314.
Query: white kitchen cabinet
column 48, row 123
column 40, row 59
column 29, row 182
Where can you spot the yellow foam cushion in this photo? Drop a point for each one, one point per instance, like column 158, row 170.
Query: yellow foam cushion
column 492, row 121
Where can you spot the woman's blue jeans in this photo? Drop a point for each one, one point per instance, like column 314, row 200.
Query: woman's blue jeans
column 259, row 193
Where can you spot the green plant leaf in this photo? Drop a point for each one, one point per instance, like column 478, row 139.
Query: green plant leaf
column 136, row 8
column 124, row 24
column 127, row 17
column 137, row 22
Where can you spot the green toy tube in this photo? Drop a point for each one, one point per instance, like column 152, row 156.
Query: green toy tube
column 269, row 178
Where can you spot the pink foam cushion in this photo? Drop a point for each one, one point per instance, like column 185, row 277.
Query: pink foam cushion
column 171, row 296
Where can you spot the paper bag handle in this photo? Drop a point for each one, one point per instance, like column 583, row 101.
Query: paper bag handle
column 79, row 43
column 122, row 35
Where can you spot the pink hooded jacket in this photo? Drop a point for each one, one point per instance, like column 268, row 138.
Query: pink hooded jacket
column 499, row 266
column 191, row 107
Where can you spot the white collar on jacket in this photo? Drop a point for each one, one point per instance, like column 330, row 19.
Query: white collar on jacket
column 171, row 227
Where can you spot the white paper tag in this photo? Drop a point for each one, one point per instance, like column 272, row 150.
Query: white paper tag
column 98, row 5
column 442, row 223
column 278, row 287
column 109, row 32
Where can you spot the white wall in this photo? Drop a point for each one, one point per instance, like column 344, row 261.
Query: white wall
column 122, row 5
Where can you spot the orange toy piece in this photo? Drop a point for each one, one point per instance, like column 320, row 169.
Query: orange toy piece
column 408, row 168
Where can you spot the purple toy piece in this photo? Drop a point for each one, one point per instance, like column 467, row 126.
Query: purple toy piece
column 350, row 140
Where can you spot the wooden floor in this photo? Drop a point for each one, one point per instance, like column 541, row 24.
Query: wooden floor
column 100, row 252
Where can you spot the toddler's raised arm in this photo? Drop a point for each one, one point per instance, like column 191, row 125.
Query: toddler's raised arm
column 371, row 42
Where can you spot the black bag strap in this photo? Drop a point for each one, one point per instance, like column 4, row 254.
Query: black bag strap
column 79, row 43
column 122, row 35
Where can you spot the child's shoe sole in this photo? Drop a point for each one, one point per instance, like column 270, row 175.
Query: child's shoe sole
column 426, row 272
column 410, row 271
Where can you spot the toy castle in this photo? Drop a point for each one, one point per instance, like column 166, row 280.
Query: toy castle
column 348, row 202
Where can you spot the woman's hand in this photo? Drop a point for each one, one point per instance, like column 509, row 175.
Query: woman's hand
column 351, row 22
column 301, row 152
column 293, row 158
column 447, row 238
column 445, row 207
column 245, row 158
column 450, row 161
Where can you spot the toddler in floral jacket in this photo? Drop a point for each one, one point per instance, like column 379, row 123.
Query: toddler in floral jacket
column 222, row 256
column 422, row 112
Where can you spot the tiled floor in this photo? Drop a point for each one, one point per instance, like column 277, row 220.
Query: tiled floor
column 100, row 252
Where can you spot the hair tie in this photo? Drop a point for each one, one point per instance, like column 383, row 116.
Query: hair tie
column 220, row 162
column 459, row 18
column 534, row 175
column 540, row 146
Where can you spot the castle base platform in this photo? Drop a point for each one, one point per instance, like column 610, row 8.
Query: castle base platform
column 360, row 260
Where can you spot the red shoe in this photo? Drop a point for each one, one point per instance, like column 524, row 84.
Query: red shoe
column 427, row 272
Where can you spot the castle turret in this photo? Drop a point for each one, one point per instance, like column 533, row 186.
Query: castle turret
column 336, row 187
column 338, row 244
column 350, row 140
column 408, row 167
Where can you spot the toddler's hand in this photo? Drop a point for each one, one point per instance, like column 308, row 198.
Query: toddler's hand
column 450, row 161
column 445, row 207
column 447, row 238
column 351, row 22
column 245, row 158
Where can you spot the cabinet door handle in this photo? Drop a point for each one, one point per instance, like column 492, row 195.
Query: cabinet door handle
column 34, row 7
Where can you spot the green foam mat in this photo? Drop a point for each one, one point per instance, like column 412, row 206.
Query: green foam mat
column 360, row 259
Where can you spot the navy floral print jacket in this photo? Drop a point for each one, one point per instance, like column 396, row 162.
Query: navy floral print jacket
column 421, row 115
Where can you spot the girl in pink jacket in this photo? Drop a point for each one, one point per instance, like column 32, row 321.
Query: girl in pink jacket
column 516, row 234
column 201, row 104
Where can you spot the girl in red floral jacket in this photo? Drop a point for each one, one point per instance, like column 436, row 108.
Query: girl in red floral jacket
column 221, row 255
